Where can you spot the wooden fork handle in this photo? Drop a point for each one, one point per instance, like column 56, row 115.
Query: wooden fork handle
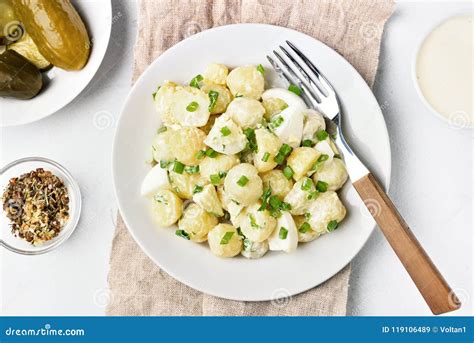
column 431, row 284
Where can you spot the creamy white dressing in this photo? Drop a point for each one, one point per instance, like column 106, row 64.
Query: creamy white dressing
column 444, row 69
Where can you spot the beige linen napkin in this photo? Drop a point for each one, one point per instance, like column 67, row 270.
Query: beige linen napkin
column 353, row 28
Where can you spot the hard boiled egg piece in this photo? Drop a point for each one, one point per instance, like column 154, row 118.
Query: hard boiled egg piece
column 285, row 235
column 156, row 179
column 290, row 98
column 290, row 128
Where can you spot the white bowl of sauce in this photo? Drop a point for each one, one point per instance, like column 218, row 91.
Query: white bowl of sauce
column 443, row 70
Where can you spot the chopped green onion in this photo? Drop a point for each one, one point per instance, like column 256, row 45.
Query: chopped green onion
column 213, row 95
column 192, row 169
column 283, row 233
column 288, row 172
column 265, row 196
column 225, row 131
column 266, row 156
column 338, row 156
column 305, row 227
column 154, row 93
column 211, row 153
column 215, row 179
column 252, row 140
column 275, row 202
column 332, row 225
column 295, row 89
column 195, row 81
column 164, row 164
column 243, row 181
column 238, row 95
column 285, row 206
column 276, row 122
column 197, row 189
column 178, row 167
column 200, row 154
column 239, row 231
column 222, row 174
column 284, row 151
column 192, row 107
column 307, row 216
column 320, row 162
column 226, row 238
column 323, row 158
column 322, row 186
column 307, row 184
column 253, row 221
column 260, row 69
column 161, row 129
column 247, row 244
column 312, row 195
column 308, row 143
column 182, row 233
column 321, row 135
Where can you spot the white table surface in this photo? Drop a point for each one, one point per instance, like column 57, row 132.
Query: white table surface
column 432, row 184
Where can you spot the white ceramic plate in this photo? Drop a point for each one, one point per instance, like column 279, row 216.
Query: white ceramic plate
column 276, row 274
column 63, row 86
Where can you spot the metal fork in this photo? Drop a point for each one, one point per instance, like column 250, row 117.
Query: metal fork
column 319, row 94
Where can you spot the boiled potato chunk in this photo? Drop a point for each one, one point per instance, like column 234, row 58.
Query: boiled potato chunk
column 224, row 241
column 243, row 185
column 326, row 208
column 257, row 225
column 223, row 99
column 226, row 137
column 186, row 106
column 167, row 207
column 334, row 173
column 276, row 180
column 181, row 144
column 217, row 165
column 246, row 112
column 268, row 147
column 246, row 81
column 273, row 106
column 254, row 250
column 183, row 184
column 301, row 160
column 300, row 199
column 197, row 222
column 216, row 73
column 313, row 122
column 209, row 200
column 305, row 232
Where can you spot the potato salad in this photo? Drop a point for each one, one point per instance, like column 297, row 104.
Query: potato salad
column 245, row 168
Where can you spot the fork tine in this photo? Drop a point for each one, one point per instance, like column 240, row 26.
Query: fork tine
column 282, row 73
column 321, row 78
column 317, row 88
column 296, row 80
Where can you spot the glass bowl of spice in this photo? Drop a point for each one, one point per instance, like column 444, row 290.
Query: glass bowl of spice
column 41, row 205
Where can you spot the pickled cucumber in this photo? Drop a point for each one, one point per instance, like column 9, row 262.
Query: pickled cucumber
column 57, row 30
column 27, row 48
column 19, row 78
